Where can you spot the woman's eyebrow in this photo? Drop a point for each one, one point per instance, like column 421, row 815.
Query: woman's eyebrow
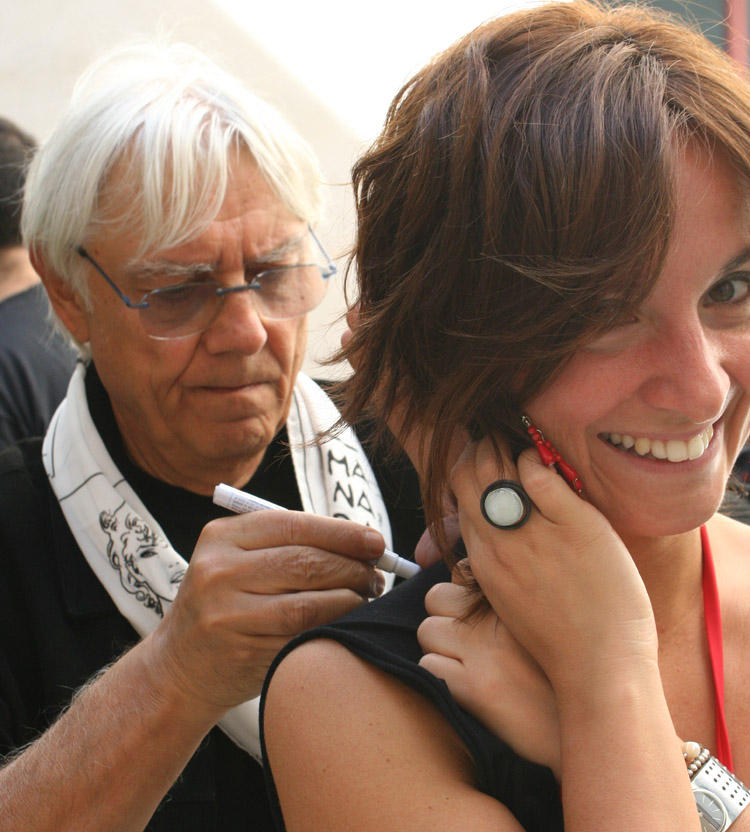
column 737, row 261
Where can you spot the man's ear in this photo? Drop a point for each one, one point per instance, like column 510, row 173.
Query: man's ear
column 67, row 303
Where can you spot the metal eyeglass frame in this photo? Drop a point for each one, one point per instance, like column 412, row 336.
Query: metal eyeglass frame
column 325, row 272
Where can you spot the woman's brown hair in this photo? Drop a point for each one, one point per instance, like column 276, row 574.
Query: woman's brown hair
column 517, row 203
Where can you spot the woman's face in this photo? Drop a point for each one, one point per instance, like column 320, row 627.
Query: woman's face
column 653, row 414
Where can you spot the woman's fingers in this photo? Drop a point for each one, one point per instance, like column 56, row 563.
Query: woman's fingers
column 427, row 550
column 449, row 599
column 490, row 675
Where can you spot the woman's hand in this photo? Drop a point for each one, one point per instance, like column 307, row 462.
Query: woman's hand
column 563, row 584
column 427, row 550
column 489, row 674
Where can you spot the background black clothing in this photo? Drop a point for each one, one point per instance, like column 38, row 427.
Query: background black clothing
column 35, row 366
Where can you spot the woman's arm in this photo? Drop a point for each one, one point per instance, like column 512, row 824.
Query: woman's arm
column 350, row 747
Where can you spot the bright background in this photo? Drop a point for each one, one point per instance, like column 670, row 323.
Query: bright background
column 332, row 67
column 357, row 55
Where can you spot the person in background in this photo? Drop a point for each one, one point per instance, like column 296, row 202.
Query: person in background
column 35, row 361
column 553, row 265
column 171, row 216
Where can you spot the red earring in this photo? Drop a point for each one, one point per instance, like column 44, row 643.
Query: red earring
column 551, row 457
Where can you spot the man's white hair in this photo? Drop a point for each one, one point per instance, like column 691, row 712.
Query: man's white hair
column 172, row 121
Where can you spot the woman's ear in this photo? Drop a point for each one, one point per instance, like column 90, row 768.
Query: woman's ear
column 352, row 322
column 67, row 303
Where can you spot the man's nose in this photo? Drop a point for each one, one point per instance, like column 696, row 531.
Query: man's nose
column 238, row 326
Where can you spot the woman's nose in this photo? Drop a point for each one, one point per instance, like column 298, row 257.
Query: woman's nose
column 687, row 374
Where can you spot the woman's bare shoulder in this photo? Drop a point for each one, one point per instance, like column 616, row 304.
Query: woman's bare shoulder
column 351, row 746
column 329, row 684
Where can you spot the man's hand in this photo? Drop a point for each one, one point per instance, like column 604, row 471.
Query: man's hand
column 254, row 582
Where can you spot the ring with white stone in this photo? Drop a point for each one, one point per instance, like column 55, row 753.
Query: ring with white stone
column 505, row 504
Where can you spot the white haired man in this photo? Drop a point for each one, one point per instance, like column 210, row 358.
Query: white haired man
column 169, row 216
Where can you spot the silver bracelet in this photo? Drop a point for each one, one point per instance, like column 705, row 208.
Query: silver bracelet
column 719, row 795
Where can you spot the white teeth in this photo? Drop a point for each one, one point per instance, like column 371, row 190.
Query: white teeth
column 695, row 447
column 642, row 446
column 677, row 450
column 674, row 450
column 659, row 450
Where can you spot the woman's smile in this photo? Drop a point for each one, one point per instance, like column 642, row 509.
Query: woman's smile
column 670, row 450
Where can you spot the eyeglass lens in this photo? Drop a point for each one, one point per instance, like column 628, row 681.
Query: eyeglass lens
column 189, row 308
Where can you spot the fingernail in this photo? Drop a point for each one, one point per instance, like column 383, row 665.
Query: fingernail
column 378, row 584
column 375, row 542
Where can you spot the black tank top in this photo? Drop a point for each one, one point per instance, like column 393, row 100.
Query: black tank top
column 384, row 633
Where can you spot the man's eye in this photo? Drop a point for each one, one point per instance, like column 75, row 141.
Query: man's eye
column 732, row 289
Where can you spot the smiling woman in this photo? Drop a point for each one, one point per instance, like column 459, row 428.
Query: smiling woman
column 552, row 248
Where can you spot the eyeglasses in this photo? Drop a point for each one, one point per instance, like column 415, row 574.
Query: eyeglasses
column 187, row 309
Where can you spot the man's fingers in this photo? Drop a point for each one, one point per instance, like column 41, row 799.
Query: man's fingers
column 302, row 568
column 269, row 529
column 280, row 570
column 289, row 614
column 427, row 551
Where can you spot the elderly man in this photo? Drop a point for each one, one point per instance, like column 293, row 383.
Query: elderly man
column 169, row 216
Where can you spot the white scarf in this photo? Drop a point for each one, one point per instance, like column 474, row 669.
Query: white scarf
column 114, row 529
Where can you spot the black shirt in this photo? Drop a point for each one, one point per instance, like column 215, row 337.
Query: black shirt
column 35, row 366
column 59, row 626
column 384, row 633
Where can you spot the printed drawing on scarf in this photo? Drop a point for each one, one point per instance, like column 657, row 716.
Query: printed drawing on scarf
column 148, row 567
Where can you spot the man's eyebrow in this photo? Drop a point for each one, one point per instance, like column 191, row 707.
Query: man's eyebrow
column 278, row 253
column 147, row 268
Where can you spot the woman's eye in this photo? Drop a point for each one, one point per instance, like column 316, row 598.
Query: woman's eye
column 732, row 289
